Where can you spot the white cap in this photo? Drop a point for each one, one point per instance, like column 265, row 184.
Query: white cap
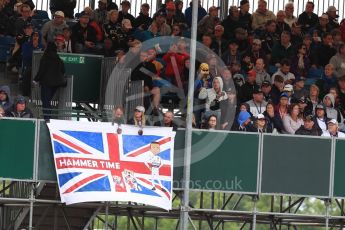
column 127, row 23
column 261, row 116
column 333, row 121
column 140, row 108
column 288, row 88
column 59, row 13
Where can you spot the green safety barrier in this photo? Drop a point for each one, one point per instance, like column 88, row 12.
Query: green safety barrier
column 339, row 169
column 87, row 72
column 292, row 165
column 17, row 149
column 46, row 168
column 225, row 161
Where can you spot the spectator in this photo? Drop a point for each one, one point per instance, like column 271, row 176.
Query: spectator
column 243, row 122
column 209, row 22
column 163, row 28
column 168, row 121
column 273, row 119
column 313, row 99
column 231, row 22
column 257, row 105
column 138, row 118
column 100, row 14
column 277, row 88
column 188, row 13
column 118, row 115
column 241, row 37
column 152, row 32
column 255, row 52
column 320, row 119
column 269, row 37
column 260, row 125
column 288, row 89
column 23, row 19
column 261, row 16
column 60, row 42
column 213, row 97
column 124, row 12
column 143, row 21
column 333, row 130
column 333, row 17
column 327, row 80
column 266, row 88
column 171, row 18
column 308, row 19
column 228, row 109
column 94, row 24
column 325, row 51
column 341, row 89
column 67, row 33
column 290, row 18
column 322, row 26
column 281, row 110
column 50, row 75
column 296, row 34
column 231, row 55
column 300, row 64
column 112, row 6
column 261, row 74
column 308, row 128
column 281, row 24
column 284, row 71
column 247, row 90
column 332, row 112
column 66, row 6
column 338, row 61
column 83, row 36
column 54, row 27
column 299, row 91
column 212, row 122
column 173, row 57
column 19, row 109
column 5, row 97
column 179, row 16
column 219, row 43
column 112, row 28
column 337, row 40
column 245, row 17
column 283, row 49
column 292, row 121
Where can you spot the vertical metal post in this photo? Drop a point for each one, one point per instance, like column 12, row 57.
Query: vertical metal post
column 31, row 207
column 255, row 198
column 188, row 136
column 328, row 202
column 106, row 214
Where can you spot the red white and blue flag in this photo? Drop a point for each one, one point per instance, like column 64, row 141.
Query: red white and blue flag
column 94, row 163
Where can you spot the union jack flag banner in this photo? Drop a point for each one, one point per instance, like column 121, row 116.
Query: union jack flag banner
column 94, row 163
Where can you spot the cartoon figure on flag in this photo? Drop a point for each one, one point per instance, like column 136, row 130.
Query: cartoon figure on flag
column 154, row 163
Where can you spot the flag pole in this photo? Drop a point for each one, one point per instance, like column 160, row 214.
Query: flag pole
column 188, row 135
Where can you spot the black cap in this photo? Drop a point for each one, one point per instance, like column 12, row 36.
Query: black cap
column 243, row 2
column 27, row 24
column 266, row 83
column 257, row 90
column 320, row 106
column 308, row 117
column 162, row 13
column 83, row 13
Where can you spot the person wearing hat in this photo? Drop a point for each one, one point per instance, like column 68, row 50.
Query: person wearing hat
column 331, row 110
column 219, row 44
column 260, row 125
column 266, row 89
column 308, row 128
column 299, row 91
column 5, row 97
column 333, row 17
column 289, row 16
column 308, row 19
column 207, row 24
column 261, row 16
column 268, row 37
column 84, row 37
column 228, row 109
column 322, row 26
column 231, row 22
column 333, row 129
column 19, row 109
column 143, row 21
column 245, row 18
column 257, row 105
column 54, row 27
column 277, row 89
column 163, row 29
column 320, row 118
column 124, row 12
column 138, row 118
column 247, row 90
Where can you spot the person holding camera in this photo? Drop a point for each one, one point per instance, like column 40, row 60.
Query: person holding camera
column 213, row 97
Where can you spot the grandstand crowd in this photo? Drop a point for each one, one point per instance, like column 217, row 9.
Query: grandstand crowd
column 279, row 73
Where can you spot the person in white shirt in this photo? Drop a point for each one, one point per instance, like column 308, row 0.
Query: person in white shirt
column 333, row 129
column 154, row 163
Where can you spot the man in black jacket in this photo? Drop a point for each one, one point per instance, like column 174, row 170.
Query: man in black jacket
column 83, row 35
column 168, row 121
column 308, row 128
column 143, row 21
column 308, row 19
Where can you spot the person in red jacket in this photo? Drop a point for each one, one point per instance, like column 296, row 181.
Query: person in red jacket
column 174, row 65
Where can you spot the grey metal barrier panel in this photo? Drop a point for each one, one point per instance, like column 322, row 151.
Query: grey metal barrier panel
column 109, row 64
column 65, row 96
column 135, row 97
column 295, row 166
column 339, row 169
column 116, row 89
